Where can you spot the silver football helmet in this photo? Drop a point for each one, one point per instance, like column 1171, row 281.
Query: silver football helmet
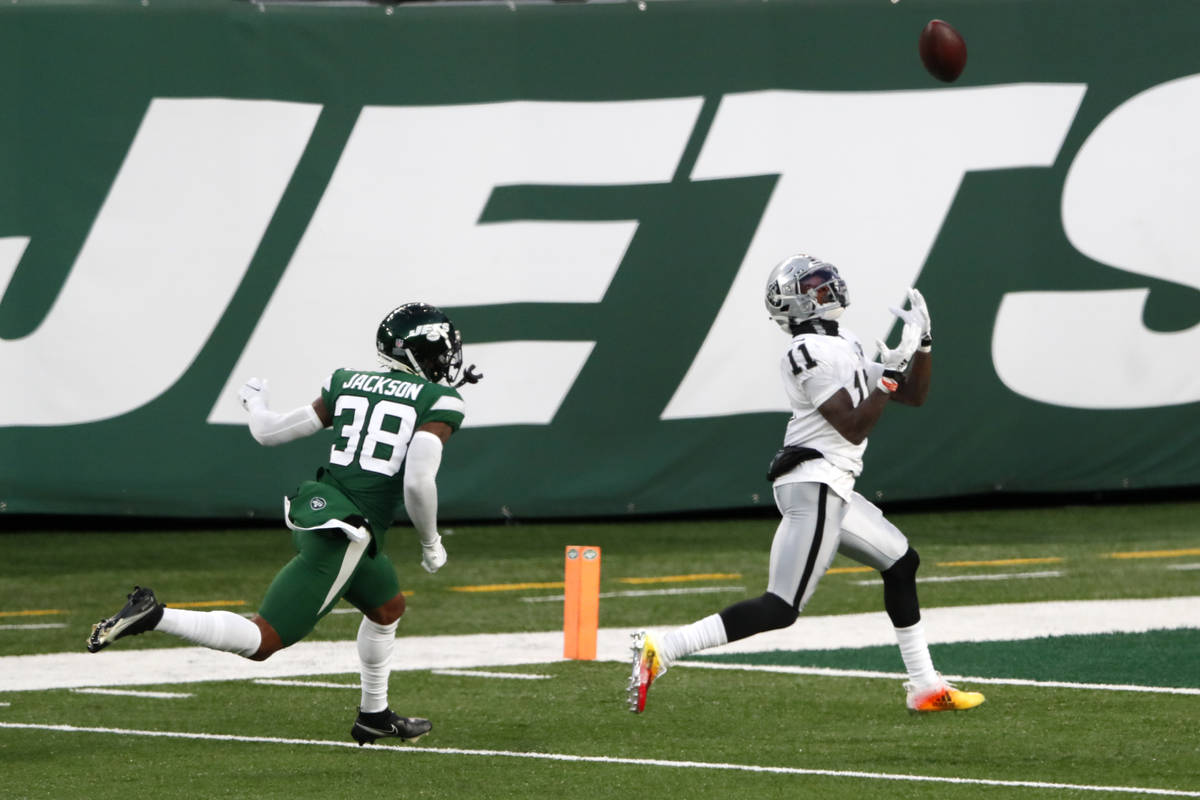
column 803, row 287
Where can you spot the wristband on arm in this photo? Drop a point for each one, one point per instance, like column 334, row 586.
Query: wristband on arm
column 889, row 382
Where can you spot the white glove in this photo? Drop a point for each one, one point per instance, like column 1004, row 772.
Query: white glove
column 895, row 362
column 253, row 392
column 918, row 315
column 433, row 555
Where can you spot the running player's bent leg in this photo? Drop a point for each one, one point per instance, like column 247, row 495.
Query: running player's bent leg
column 218, row 630
column 870, row 539
column 756, row 615
column 900, row 590
column 805, row 541
column 376, row 592
column 804, row 544
column 310, row 585
column 375, row 643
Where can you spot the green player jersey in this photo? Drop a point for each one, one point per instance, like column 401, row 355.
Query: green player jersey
column 375, row 414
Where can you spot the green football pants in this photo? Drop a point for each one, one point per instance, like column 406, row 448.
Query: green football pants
column 327, row 567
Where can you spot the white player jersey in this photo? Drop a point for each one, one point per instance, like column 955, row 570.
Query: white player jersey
column 814, row 368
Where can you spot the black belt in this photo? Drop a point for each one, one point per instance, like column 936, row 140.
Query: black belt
column 787, row 458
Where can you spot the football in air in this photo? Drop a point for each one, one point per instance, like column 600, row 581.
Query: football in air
column 943, row 51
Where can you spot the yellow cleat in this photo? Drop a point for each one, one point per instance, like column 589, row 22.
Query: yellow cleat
column 647, row 665
column 941, row 697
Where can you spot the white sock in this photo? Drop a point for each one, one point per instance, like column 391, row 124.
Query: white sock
column 700, row 635
column 220, row 630
column 915, row 652
column 375, row 654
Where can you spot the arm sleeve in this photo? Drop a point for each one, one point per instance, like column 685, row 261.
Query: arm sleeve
column 420, row 483
column 271, row 428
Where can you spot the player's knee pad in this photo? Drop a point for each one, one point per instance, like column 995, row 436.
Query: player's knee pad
column 905, row 568
column 900, row 590
column 776, row 612
column 763, row 613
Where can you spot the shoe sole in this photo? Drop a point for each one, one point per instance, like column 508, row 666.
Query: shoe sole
column 95, row 643
column 362, row 736
column 943, row 708
column 637, row 689
column 948, row 708
column 107, row 631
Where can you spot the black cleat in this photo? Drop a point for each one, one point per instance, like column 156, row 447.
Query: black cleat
column 381, row 724
column 142, row 613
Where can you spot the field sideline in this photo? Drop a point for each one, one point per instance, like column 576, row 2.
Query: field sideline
column 1081, row 628
column 1010, row 622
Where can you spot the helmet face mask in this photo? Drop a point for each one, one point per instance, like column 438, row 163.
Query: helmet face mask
column 421, row 339
column 802, row 287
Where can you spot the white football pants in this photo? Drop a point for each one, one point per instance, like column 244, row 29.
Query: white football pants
column 816, row 524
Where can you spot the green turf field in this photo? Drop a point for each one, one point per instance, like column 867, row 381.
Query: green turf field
column 709, row 731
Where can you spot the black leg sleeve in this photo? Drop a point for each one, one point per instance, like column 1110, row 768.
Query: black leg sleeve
column 900, row 590
column 764, row 613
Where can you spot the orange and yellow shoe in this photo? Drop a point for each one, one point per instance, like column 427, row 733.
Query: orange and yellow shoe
column 943, row 696
column 647, row 665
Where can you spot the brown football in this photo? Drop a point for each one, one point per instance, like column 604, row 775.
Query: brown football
column 943, row 51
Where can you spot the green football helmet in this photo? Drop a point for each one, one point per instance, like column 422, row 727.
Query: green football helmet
column 421, row 339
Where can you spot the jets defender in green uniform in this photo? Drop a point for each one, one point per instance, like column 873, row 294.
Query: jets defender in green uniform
column 390, row 426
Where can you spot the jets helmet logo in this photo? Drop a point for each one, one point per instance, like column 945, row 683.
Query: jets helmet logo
column 432, row 330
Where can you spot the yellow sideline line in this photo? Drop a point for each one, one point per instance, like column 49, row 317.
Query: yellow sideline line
column 704, row 576
column 511, row 587
column 1000, row 562
column 33, row 613
column 845, row 570
column 207, row 603
column 1187, row 551
column 508, row 587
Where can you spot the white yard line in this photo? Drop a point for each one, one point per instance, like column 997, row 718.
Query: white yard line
column 312, row 684
column 998, row 576
column 833, row 672
column 33, row 626
column 471, row 673
column 174, row 665
column 132, row 693
column 416, row 751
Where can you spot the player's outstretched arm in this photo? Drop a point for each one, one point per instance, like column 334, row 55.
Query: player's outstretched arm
column 272, row 428
column 915, row 387
column 853, row 422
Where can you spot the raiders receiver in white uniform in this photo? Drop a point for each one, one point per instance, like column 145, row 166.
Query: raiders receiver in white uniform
column 836, row 396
